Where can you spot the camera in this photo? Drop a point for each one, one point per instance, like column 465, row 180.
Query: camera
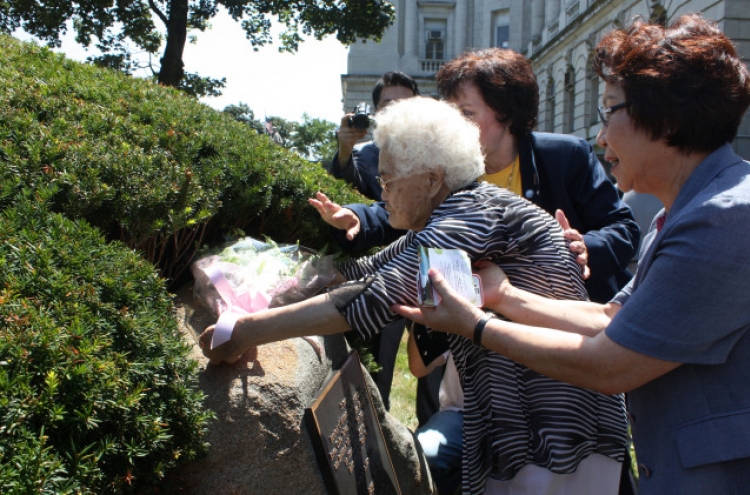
column 361, row 117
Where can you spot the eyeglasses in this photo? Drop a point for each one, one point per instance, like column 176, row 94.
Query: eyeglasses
column 384, row 183
column 606, row 113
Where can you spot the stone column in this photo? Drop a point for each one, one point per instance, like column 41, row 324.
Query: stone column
column 460, row 25
column 537, row 19
column 551, row 10
column 411, row 45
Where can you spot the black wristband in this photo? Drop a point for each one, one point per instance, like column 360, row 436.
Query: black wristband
column 480, row 328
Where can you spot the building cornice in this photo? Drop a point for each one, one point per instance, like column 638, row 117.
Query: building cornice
column 597, row 8
column 436, row 4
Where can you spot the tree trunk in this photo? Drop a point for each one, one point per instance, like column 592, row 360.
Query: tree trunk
column 171, row 71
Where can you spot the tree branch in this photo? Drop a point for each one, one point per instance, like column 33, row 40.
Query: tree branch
column 158, row 12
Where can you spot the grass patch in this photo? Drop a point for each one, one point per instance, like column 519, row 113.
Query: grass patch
column 404, row 389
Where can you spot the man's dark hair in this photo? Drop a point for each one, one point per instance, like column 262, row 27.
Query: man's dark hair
column 393, row 78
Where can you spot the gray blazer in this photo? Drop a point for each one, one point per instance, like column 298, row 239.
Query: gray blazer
column 690, row 303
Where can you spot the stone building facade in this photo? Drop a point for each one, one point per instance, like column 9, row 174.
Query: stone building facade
column 556, row 35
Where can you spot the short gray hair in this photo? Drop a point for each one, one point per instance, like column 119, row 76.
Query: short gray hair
column 422, row 134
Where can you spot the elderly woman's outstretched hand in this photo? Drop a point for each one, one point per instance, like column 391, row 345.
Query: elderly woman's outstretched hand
column 335, row 215
column 454, row 314
column 228, row 352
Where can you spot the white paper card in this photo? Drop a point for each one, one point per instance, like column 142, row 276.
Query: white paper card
column 455, row 266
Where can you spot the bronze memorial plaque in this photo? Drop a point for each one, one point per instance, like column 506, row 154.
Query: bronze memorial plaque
column 346, row 433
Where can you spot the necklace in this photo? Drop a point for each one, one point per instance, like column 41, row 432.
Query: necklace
column 504, row 178
column 510, row 176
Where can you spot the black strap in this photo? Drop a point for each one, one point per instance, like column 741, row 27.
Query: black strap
column 479, row 329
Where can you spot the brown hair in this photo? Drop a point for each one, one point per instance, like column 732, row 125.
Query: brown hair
column 504, row 78
column 684, row 82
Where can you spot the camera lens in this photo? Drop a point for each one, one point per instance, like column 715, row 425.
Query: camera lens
column 359, row 121
column 361, row 117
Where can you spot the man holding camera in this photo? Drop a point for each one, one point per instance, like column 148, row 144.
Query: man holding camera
column 358, row 163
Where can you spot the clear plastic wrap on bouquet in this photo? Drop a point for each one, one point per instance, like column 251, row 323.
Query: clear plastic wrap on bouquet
column 250, row 275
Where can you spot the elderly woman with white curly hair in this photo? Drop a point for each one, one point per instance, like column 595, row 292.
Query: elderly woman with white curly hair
column 513, row 417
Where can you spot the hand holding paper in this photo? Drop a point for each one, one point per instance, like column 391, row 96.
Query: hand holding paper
column 455, row 266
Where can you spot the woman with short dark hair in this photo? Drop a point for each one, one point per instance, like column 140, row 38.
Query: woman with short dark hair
column 504, row 78
column 686, row 84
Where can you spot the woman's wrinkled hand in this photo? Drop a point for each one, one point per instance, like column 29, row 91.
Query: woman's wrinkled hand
column 336, row 216
column 454, row 314
column 228, row 352
column 577, row 244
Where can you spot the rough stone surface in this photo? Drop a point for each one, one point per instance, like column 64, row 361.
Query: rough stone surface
column 259, row 443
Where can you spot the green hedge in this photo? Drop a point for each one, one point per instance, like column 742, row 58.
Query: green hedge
column 109, row 186
column 97, row 394
column 148, row 165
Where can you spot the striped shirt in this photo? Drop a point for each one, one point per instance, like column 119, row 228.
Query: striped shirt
column 513, row 416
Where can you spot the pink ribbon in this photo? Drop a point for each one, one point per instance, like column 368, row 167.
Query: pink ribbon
column 240, row 305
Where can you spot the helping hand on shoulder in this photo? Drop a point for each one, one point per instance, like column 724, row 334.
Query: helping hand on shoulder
column 577, row 244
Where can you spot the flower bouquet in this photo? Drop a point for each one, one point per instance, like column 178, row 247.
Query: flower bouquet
column 250, row 275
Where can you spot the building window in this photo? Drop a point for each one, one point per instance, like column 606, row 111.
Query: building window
column 592, row 95
column 550, row 106
column 571, row 9
column 569, row 99
column 500, row 29
column 435, row 33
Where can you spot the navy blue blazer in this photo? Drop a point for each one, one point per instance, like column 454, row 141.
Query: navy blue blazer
column 361, row 170
column 557, row 172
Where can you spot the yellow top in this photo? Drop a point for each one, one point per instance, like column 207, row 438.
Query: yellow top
column 509, row 177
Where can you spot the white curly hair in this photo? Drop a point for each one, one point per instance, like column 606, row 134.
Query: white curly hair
column 422, row 134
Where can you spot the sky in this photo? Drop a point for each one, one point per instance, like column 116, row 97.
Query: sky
column 271, row 83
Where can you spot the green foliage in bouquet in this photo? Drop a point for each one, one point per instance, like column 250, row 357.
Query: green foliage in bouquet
column 97, row 393
column 148, row 165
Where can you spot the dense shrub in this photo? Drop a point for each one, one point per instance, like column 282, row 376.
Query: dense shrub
column 109, row 186
column 97, row 394
column 149, row 166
